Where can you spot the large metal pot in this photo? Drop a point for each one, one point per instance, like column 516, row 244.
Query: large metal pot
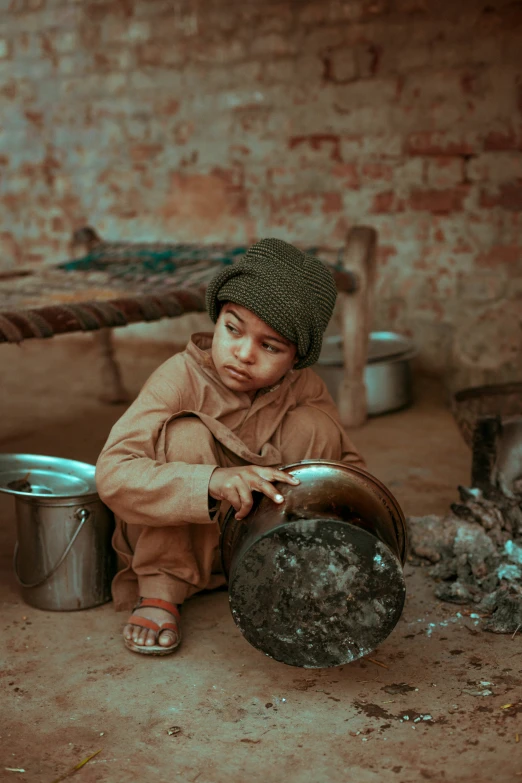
column 317, row 580
column 387, row 375
column 63, row 557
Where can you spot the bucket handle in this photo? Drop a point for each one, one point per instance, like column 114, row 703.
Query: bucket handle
column 82, row 514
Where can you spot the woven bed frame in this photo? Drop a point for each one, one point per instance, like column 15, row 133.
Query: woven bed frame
column 110, row 284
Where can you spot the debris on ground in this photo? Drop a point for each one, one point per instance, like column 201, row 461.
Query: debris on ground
column 378, row 663
column 482, row 688
column 398, row 688
column 174, row 731
column 476, row 556
column 76, row 768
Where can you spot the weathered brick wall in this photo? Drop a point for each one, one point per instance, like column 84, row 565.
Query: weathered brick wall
column 236, row 119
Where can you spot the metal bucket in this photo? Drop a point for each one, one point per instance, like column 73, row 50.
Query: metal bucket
column 63, row 557
column 317, row 580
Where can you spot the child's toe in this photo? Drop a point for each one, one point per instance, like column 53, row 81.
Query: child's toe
column 167, row 639
column 139, row 634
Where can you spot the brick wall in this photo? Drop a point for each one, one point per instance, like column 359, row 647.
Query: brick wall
column 236, row 119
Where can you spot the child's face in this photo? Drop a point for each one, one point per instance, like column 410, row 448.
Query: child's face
column 247, row 353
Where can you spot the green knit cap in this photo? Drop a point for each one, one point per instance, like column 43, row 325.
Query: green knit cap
column 291, row 291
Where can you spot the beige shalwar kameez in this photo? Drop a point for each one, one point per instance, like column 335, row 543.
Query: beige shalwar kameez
column 155, row 468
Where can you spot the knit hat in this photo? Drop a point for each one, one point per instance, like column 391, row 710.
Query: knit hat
column 292, row 292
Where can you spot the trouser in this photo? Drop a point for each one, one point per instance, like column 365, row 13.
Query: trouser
column 175, row 562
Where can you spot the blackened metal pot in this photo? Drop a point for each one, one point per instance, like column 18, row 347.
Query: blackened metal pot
column 317, row 580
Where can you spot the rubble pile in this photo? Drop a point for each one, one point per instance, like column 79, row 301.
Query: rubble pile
column 476, row 556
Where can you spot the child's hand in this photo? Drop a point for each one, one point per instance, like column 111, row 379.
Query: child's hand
column 236, row 484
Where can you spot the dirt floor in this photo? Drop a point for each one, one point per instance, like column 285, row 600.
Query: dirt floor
column 430, row 705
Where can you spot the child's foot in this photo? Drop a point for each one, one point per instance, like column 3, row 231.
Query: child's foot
column 153, row 628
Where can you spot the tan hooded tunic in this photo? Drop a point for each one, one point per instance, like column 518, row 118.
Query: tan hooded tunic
column 155, row 468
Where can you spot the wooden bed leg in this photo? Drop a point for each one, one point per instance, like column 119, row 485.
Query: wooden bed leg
column 84, row 241
column 356, row 324
column 113, row 390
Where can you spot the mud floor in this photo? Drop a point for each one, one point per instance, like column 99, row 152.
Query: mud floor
column 440, row 700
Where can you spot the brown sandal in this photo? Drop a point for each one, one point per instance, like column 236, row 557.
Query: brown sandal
column 144, row 622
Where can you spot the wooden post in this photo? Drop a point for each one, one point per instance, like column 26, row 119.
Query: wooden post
column 485, row 439
column 113, row 390
column 356, row 319
column 85, row 240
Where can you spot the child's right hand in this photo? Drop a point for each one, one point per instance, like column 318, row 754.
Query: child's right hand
column 236, row 485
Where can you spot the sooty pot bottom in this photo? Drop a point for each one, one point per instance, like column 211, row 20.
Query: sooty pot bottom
column 316, row 593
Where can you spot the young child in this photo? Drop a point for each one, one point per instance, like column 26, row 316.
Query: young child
column 211, row 425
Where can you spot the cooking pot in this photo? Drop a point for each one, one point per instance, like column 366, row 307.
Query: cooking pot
column 316, row 581
column 387, row 374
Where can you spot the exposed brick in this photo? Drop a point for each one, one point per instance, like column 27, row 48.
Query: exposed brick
column 365, row 92
column 305, row 204
column 317, row 143
column 494, row 167
column 308, row 179
column 352, row 147
column 481, row 287
column 506, row 259
column 68, row 66
column 438, row 202
column 340, row 66
column 504, row 140
column 332, row 202
column 323, row 39
column 347, row 174
column 65, row 41
column 404, row 59
column 183, row 132
column 507, row 195
column 173, row 27
column 196, row 187
column 376, row 172
column 273, row 45
column 319, row 13
column 144, row 152
column 152, row 54
column 443, row 172
column 368, row 59
column 408, row 172
column 57, row 225
column 213, row 51
column 384, row 253
column 414, row 7
column 441, row 143
column 387, row 202
column 491, row 337
column 112, row 59
column 230, row 121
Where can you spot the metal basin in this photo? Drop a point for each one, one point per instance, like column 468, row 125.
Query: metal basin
column 317, row 580
column 387, row 375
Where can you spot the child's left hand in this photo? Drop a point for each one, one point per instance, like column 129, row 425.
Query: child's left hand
column 236, row 485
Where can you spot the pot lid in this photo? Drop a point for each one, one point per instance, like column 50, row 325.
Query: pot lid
column 382, row 346
column 35, row 475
